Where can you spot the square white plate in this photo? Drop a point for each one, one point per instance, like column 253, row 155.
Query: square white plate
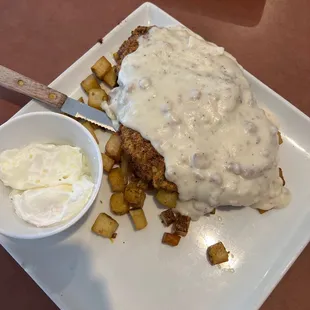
column 79, row 270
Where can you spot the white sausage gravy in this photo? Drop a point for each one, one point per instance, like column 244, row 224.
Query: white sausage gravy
column 191, row 100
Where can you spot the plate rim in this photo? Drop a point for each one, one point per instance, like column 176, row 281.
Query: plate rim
column 275, row 275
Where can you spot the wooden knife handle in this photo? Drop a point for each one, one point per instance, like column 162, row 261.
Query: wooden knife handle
column 24, row 85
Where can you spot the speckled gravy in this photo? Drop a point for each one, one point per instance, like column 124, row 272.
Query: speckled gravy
column 192, row 101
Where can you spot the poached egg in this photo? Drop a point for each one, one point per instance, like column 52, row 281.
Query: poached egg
column 51, row 183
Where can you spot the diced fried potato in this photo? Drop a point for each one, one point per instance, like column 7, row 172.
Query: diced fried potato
column 167, row 217
column 95, row 97
column 280, row 138
column 107, row 162
column 125, row 167
column 143, row 185
column 167, row 199
column 118, row 204
column 138, row 182
column 90, row 128
column 181, row 225
column 81, row 99
column 116, row 180
column 138, row 218
column 101, row 67
column 113, row 147
column 105, row 225
column 281, row 176
column 116, row 56
column 90, row 83
column 171, row 239
column 134, row 196
column 217, row 253
column 261, row 211
column 110, row 77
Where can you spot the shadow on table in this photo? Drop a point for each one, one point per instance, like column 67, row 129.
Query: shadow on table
column 239, row 12
column 65, row 273
column 63, row 267
column 230, row 208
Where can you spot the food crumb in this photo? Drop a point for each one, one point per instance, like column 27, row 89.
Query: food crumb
column 100, row 40
column 100, row 201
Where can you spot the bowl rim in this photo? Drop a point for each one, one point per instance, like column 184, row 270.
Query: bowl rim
column 95, row 191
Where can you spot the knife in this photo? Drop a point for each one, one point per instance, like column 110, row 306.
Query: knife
column 24, row 85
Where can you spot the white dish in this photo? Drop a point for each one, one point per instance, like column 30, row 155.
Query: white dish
column 45, row 127
column 79, row 270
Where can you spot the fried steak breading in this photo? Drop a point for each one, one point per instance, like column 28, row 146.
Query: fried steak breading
column 146, row 162
column 130, row 45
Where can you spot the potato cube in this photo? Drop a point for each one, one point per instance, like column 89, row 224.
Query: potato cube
column 167, row 199
column 105, row 225
column 281, row 176
column 110, row 78
column 107, row 163
column 118, row 204
column 181, row 225
column 90, row 83
column 90, row 128
column 116, row 56
column 280, row 138
column 138, row 218
column 125, row 167
column 134, row 196
column 116, row 180
column 95, row 97
column 138, row 182
column 217, row 253
column 171, row 239
column 143, row 185
column 101, row 67
column 113, row 147
column 167, row 217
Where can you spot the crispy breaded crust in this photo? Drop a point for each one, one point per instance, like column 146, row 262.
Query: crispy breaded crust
column 147, row 163
column 130, row 45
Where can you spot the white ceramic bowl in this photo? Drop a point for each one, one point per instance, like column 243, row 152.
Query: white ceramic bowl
column 45, row 127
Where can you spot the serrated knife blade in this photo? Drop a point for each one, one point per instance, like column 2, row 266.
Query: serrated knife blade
column 78, row 109
column 22, row 84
